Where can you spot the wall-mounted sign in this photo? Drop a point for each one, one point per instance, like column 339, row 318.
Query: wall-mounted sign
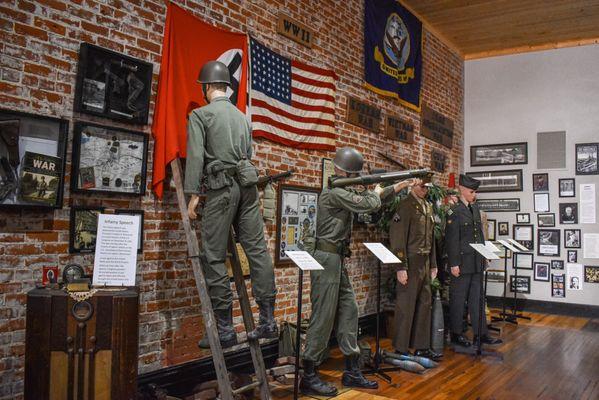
column 399, row 129
column 438, row 160
column 362, row 114
column 436, row 127
column 295, row 30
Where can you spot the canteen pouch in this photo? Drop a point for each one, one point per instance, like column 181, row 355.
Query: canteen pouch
column 216, row 176
column 247, row 174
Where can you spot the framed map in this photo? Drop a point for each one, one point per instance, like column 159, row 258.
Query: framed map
column 108, row 160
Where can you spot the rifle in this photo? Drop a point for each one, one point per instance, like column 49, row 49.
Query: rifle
column 264, row 180
column 394, row 176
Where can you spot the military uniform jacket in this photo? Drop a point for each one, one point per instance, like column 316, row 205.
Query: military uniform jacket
column 412, row 232
column 464, row 227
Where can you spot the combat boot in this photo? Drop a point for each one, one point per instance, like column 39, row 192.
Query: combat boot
column 267, row 326
column 312, row 385
column 352, row 376
column 226, row 332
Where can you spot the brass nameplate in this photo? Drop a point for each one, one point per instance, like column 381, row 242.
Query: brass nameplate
column 78, row 286
column 436, row 126
column 399, row 129
column 295, row 30
column 363, row 115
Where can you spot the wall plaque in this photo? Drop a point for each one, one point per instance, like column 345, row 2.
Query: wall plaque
column 363, row 115
column 295, row 30
column 399, row 129
column 436, row 127
column 438, row 160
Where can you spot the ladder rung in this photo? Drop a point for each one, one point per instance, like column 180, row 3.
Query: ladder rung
column 246, row 388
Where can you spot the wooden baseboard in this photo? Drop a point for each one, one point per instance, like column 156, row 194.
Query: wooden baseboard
column 548, row 307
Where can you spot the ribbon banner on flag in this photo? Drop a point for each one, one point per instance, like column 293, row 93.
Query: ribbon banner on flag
column 188, row 44
column 291, row 103
column 393, row 51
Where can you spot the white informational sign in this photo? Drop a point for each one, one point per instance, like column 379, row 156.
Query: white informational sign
column 484, row 251
column 518, row 245
column 574, row 274
column 541, row 202
column 382, row 253
column 116, row 250
column 590, row 245
column 522, row 233
column 510, row 246
column 303, row 260
column 492, row 247
column 587, row 203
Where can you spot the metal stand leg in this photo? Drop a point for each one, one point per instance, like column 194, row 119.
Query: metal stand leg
column 298, row 333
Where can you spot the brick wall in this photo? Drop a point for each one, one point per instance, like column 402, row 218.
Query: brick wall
column 38, row 58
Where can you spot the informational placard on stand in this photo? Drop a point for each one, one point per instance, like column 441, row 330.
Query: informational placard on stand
column 484, row 251
column 304, row 260
column 382, row 253
column 509, row 246
column 492, row 247
column 115, row 262
column 518, row 245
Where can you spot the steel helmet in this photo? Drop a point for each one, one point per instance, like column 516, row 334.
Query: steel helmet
column 215, row 72
column 349, row 160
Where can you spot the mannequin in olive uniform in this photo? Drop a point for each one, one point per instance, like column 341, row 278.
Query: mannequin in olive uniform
column 464, row 227
column 219, row 137
column 332, row 296
column 412, row 239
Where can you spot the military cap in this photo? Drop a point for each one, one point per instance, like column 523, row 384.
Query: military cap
column 469, row 182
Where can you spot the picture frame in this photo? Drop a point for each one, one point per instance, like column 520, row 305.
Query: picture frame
column 557, row 264
column 503, row 228
column 541, row 272
column 297, row 214
column 49, row 274
column 541, row 202
column 498, row 205
column 523, row 261
column 572, row 238
column 33, row 152
column 327, row 171
column 558, row 285
column 522, row 284
column 523, row 234
column 140, row 213
column 586, row 158
column 491, row 181
column 572, row 256
column 546, row 220
column 83, row 228
column 499, row 154
column 548, row 242
column 491, row 225
column 108, row 160
column 540, row 182
column 495, row 275
column 591, row 274
column 568, row 213
column 567, row 187
column 523, row 218
column 113, row 85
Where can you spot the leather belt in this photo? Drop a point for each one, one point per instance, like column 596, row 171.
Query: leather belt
column 327, row 247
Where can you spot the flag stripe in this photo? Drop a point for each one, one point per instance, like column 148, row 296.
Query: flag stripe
column 313, row 82
column 313, row 69
column 298, row 108
column 294, row 129
column 303, row 143
column 263, row 108
column 312, row 95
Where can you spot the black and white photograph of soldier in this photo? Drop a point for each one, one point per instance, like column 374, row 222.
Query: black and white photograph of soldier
column 572, row 238
column 586, row 159
column 572, row 256
column 574, row 283
column 540, row 182
column 568, row 213
column 567, row 187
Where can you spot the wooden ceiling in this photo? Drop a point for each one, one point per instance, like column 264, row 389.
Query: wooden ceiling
column 479, row 28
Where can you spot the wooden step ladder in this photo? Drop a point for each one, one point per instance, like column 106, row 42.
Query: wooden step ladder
column 226, row 390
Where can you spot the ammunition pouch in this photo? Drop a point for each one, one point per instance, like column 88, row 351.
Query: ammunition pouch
column 217, row 176
column 247, row 174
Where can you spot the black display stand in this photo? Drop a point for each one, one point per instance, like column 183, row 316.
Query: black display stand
column 513, row 317
column 298, row 333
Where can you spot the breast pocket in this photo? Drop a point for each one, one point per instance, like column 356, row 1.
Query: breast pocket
column 466, row 237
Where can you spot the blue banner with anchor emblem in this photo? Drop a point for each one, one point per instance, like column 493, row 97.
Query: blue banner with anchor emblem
column 393, row 51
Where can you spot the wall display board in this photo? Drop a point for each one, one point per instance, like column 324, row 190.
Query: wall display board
column 499, row 154
column 498, row 181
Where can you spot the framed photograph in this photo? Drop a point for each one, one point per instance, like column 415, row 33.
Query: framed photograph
column 557, row 264
column 112, row 85
column 328, row 170
column 49, row 274
column 523, row 260
column 567, row 187
column 491, row 223
column 297, row 208
column 108, row 160
column 523, row 234
column 523, row 218
column 140, row 214
column 84, row 229
column 568, row 213
column 498, row 181
column 591, row 274
column 520, row 284
column 540, row 182
column 541, row 201
column 586, row 158
column 546, row 220
column 572, row 238
column 498, row 205
column 548, row 242
column 503, row 228
column 499, row 154
column 541, row 272
column 558, row 285
column 32, row 160
column 574, row 276
column 495, row 275
column 572, row 256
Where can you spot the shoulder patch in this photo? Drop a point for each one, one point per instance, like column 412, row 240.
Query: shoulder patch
column 357, row 198
column 449, row 212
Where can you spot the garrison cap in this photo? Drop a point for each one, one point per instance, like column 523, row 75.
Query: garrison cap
column 469, row 182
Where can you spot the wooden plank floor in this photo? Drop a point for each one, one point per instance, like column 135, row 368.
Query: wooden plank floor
column 549, row 357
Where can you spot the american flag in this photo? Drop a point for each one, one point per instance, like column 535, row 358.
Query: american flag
column 292, row 103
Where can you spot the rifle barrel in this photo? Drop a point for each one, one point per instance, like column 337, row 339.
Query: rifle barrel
column 379, row 178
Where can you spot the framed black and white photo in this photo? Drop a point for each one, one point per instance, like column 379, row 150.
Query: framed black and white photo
column 498, row 205
column 586, row 158
column 83, row 229
column 108, row 160
column 572, row 256
column 558, row 285
column 328, row 170
column 572, row 238
column 568, row 213
column 499, row 154
column 523, row 218
column 546, row 220
column 591, row 274
column 557, row 264
column 491, row 224
column 548, row 242
column 498, row 181
column 541, row 202
column 523, row 234
column 32, row 160
column 540, row 182
column 297, row 208
column 503, row 228
column 567, row 187
column 140, row 214
column 522, row 284
column 496, row 275
column 523, row 260
column 541, row 272
column 112, row 85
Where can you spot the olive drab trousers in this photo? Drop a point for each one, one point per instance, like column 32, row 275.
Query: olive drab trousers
column 333, row 306
column 237, row 206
